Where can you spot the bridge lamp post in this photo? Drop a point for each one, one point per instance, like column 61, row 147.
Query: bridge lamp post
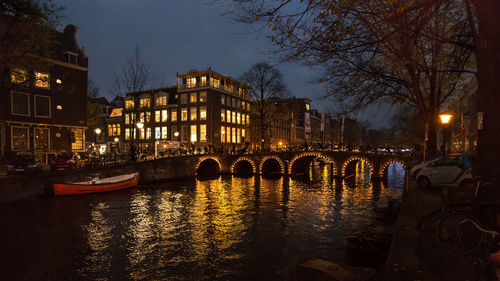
column 97, row 132
column 445, row 119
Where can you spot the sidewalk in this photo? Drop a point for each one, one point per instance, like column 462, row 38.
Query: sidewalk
column 418, row 256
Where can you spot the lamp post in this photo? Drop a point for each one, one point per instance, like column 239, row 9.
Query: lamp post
column 445, row 119
column 97, row 135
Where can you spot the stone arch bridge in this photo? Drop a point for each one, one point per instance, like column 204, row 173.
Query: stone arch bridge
column 343, row 164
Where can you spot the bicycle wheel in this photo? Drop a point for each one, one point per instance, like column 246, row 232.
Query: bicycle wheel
column 458, row 234
column 431, row 220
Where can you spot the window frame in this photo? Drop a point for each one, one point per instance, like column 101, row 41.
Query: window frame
column 34, row 138
column 12, row 139
column 35, row 79
column 50, row 106
column 12, row 103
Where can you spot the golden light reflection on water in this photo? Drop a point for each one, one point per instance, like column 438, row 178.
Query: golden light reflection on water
column 228, row 226
column 98, row 233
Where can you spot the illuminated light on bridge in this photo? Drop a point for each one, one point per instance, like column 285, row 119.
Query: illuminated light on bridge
column 280, row 162
column 316, row 155
column 203, row 159
column 252, row 163
column 356, row 158
column 389, row 162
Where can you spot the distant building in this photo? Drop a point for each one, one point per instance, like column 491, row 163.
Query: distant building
column 204, row 108
column 98, row 110
column 464, row 123
column 45, row 108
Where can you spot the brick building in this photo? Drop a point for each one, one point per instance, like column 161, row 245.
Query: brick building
column 44, row 108
column 204, row 108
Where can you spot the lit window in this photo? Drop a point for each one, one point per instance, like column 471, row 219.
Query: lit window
column 162, row 100
column 307, row 106
column 172, row 135
column 184, row 114
column 238, row 118
column 228, row 116
column 148, row 116
column 223, row 116
column 238, row 134
column 158, row 133
column 192, row 97
column 193, row 133
column 157, row 116
column 19, row 137
column 243, row 105
column 41, row 138
column 243, row 133
column 78, row 143
column 141, row 117
column 129, row 104
column 203, row 96
column 148, row 133
column 20, row 103
column 203, row 81
column 184, row 98
column 214, row 82
column 141, row 133
column 248, row 119
column 191, row 82
column 233, row 118
column 127, row 133
column 203, row 113
column 127, row 118
column 248, row 106
column 18, row 75
column 192, row 113
column 222, row 99
column 203, row 132
column 233, row 134
column 228, row 134
column 164, row 115
column 222, row 134
column 243, row 119
column 145, row 102
column 173, row 116
column 164, row 132
column 42, row 80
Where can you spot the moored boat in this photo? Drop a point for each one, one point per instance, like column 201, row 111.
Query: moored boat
column 95, row 184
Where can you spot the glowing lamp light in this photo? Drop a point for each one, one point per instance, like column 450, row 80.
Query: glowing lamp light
column 58, row 81
column 140, row 125
column 116, row 139
column 59, row 107
column 280, row 143
column 176, row 134
column 445, row 118
column 97, row 131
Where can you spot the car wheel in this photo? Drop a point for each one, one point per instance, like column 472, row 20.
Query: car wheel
column 423, row 182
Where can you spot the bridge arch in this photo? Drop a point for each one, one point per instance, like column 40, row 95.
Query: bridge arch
column 208, row 165
column 305, row 159
column 269, row 164
column 235, row 166
column 347, row 164
column 388, row 162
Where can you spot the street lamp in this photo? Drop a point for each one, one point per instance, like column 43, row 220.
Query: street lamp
column 176, row 134
column 116, row 139
column 445, row 119
column 97, row 131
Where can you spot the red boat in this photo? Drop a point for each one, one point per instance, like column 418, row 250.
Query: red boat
column 95, row 184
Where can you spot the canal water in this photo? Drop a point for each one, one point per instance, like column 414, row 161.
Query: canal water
column 227, row 228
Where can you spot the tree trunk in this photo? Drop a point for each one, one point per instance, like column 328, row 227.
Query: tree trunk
column 431, row 144
column 488, row 60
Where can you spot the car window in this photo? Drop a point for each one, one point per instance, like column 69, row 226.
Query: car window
column 449, row 161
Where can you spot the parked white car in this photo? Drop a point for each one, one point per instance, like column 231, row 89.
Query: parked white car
column 449, row 170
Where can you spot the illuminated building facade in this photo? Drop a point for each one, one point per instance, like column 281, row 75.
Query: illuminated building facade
column 43, row 108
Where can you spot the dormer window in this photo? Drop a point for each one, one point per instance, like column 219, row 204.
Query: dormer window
column 191, row 82
column 42, row 80
column 161, row 100
column 129, row 104
column 144, row 102
column 71, row 57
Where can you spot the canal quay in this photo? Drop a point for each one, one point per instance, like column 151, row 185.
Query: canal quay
column 219, row 228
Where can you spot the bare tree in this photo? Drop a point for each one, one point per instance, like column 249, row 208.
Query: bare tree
column 266, row 85
column 134, row 74
column 92, row 89
column 404, row 52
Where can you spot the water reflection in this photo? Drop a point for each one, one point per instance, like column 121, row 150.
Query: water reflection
column 224, row 228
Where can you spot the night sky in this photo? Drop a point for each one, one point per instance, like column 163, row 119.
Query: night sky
column 177, row 36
